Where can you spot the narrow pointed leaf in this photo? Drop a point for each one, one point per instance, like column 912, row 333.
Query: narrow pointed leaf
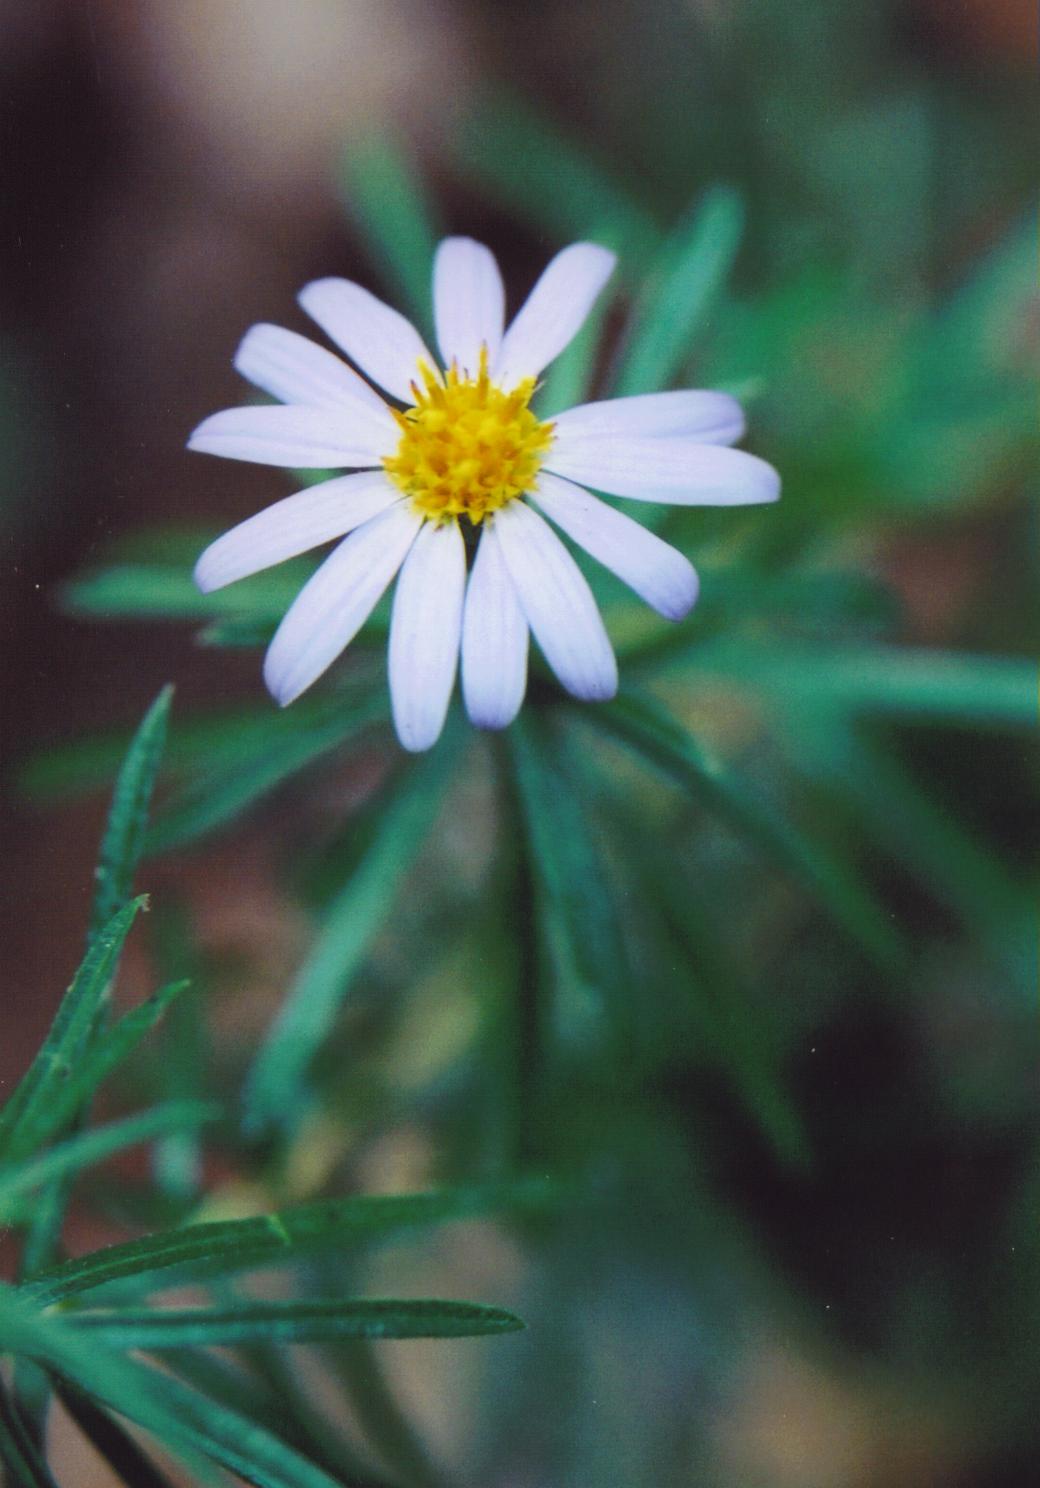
column 23, row 1462
column 293, row 1322
column 577, row 906
column 224, row 1247
column 385, row 197
column 509, row 151
column 123, row 839
column 108, row 1052
column 184, row 1421
column 683, row 281
column 111, row 1440
column 657, row 737
column 216, row 800
column 275, row 1091
column 71, row 1156
column 64, row 1044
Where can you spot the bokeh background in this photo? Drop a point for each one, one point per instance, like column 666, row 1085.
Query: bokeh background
column 851, row 1307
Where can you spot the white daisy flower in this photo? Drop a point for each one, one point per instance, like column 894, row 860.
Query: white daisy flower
column 458, row 462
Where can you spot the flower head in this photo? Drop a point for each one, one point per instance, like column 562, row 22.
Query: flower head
column 459, row 462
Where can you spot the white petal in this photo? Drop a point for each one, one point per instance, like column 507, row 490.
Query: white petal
column 494, row 639
column 681, row 472
column 424, row 633
column 557, row 602
column 554, row 311
column 469, row 303
column 303, row 438
column 713, row 418
column 656, row 571
column 332, row 606
column 295, row 370
column 294, row 525
column 379, row 339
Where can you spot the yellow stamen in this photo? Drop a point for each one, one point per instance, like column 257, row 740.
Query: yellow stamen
column 467, row 448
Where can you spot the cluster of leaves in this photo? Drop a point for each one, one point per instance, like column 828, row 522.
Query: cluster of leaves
column 788, row 635
column 72, row 1324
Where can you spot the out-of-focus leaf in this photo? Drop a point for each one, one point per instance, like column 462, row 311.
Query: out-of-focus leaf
column 904, row 819
column 275, row 1091
column 656, row 736
column 196, row 746
column 683, row 281
column 58, row 1056
column 110, row 1440
column 222, row 1247
column 997, row 691
column 518, row 158
column 384, row 1423
column 181, row 1419
column 110, row 1048
column 384, row 196
column 71, row 1156
column 23, row 1463
column 215, row 800
column 157, row 591
column 568, row 381
column 123, row 839
column 576, row 904
column 731, row 1031
column 293, row 1322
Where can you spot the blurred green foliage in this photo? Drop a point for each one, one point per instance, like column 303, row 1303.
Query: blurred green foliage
column 745, row 960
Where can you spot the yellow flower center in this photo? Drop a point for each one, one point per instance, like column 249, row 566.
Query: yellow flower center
column 467, row 448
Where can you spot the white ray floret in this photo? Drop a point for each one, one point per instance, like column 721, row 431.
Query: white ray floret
column 494, row 639
column 463, row 465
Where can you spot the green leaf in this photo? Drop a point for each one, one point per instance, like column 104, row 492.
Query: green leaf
column 576, row 902
column 45, row 1078
column 201, row 745
column 107, row 1053
column 988, row 691
column 658, row 738
column 732, row 1029
column 569, row 379
column 123, row 838
column 95, row 1146
column 917, row 832
column 512, row 153
column 23, row 1463
column 293, row 1322
column 110, row 1440
column 275, row 1090
column 218, row 799
column 178, row 1417
column 226, row 1246
column 384, row 195
column 682, row 284
column 161, row 591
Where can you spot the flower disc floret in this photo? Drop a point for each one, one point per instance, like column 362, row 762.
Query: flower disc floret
column 467, row 447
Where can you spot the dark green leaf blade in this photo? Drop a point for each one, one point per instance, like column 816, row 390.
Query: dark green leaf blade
column 107, row 1053
column 657, row 737
column 275, row 1091
column 685, row 278
column 123, row 839
column 219, row 798
column 576, row 902
column 307, row 1321
column 383, row 194
column 78, row 1152
column 68, row 1035
column 176, row 1415
column 224, row 1247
